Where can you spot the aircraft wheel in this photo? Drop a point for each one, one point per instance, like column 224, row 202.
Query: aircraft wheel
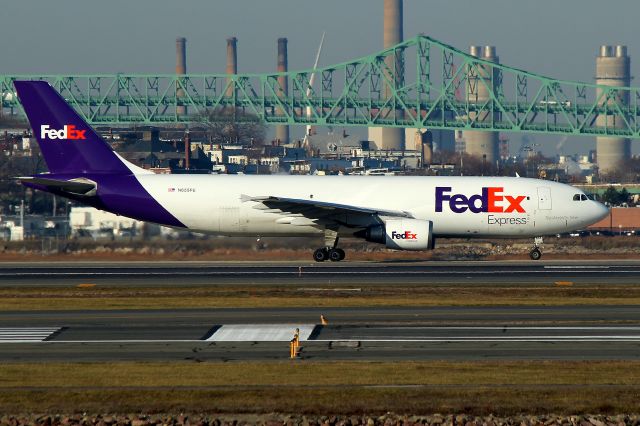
column 535, row 254
column 336, row 255
column 320, row 255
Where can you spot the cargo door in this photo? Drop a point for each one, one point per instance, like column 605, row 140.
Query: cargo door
column 229, row 219
column 544, row 198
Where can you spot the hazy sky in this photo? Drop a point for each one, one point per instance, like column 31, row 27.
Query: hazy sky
column 558, row 38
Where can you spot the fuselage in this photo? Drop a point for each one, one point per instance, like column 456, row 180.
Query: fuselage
column 458, row 206
column 404, row 213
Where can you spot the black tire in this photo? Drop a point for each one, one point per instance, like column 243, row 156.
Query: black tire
column 320, row 255
column 335, row 255
column 342, row 253
column 535, row 254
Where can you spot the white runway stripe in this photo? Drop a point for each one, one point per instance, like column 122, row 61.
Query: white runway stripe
column 260, row 332
column 26, row 334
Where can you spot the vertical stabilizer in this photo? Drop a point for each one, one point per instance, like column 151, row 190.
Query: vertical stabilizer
column 68, row 144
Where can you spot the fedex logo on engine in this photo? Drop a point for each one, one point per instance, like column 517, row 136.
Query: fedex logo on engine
column 406, row 235
column 69, row 132
column 491, row 200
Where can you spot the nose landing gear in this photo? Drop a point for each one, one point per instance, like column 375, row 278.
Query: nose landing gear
column 536, row 253
column 330, row 251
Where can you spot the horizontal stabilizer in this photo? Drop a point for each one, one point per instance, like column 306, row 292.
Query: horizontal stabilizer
column 80, row 186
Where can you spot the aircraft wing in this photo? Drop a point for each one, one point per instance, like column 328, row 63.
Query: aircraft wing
column 74, row 186
column 315, row 209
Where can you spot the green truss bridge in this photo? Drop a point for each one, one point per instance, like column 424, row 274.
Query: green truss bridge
column 420, row 83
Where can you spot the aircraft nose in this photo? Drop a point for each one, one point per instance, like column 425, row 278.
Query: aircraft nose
column 600, row 211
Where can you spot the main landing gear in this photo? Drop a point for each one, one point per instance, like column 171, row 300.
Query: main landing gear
column 536, row 253
column 330, row 251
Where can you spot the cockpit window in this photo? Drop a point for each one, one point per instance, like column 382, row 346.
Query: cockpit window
column 576, row 197
column 584, row 197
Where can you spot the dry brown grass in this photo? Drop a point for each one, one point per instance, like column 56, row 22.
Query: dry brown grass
column 343, row 387
column 101, row 298
column 299, row 249
column 300, row 400
column 336, row 374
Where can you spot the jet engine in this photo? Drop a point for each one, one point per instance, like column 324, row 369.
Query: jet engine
column 401, row 234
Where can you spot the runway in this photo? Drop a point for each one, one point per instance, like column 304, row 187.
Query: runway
column 359, row 333
column 356, row 333
column 287, row 273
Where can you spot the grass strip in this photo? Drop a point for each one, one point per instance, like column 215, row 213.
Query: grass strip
column 480, row 401
column 480, row 388
column 361, row 373
column 102, row 298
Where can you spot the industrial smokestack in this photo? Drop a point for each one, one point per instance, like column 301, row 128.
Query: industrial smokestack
column 613, row 68
column 480, row 85
column 393, row 138
column 232, row 55
column 427, row 148
column 181, row 69
column 282, row 132
column 181, row 55
column 393, row 25
column 232, row 61
column 187, row 151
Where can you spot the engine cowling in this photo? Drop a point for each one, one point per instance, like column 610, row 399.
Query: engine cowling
column 402, row 234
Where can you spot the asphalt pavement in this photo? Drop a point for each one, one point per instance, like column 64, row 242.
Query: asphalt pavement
column 567, row 332
column 466, row 332
column 175, row 274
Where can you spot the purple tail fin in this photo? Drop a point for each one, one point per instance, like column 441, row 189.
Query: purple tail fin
column 68, row 143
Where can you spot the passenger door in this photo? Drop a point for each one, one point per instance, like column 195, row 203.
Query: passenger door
column 544, row 198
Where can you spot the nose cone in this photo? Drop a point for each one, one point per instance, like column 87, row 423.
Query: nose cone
column 600, row 211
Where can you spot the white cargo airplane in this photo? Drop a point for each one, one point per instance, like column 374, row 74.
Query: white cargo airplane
column 403, row 213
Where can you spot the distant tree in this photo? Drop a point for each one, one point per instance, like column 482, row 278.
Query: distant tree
column 11, row 192
column 615, row 197
column 232, row 125
column 623, row 196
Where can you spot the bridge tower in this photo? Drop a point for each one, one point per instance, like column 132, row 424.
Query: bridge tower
column 483, row 145
column 613, row 68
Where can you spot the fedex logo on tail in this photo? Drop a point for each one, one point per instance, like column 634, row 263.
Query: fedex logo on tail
column 491, row 200
column 68, row 132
